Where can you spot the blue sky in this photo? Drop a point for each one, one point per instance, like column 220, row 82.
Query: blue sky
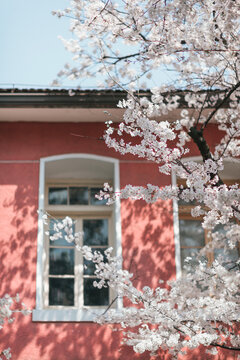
column 31, row 53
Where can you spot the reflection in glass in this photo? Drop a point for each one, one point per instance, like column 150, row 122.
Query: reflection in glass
column 95, row 232
column 61, row 241
column 93, row 199
column 78, row 195
column 185, row 203
column 191, row 233
column 61, row 261
column 61, row 292
column 94, row 296
column 230, row 256
column 89, row 266
column 192, row 239
column 194, row 254
column 57, row 196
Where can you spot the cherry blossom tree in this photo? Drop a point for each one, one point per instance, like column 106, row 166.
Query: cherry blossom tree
column 127, row 42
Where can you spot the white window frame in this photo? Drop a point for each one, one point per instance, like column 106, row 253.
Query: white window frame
column 41, row 312
column 176, row 232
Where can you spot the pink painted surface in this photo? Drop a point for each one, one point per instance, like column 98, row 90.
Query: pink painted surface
column 147, row 235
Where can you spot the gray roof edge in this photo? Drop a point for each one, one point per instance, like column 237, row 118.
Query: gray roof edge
column 60, row 98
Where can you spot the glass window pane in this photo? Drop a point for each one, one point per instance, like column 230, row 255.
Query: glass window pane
column 89, row 266
column 78, row 196
column 61, row 292
column 219, row 228
column 61, row 261
column 193, row 253
column 93, row 199
column 191, row 233
column 57, row 196
column 94, row 296
column 61, row 241
column 95, row 232
column 185, row 203
column 230, row 256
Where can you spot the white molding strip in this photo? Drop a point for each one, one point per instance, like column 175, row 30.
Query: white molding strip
column 19, row 161
column 176, row 232
column 118, row 227
column 40, row 238
column 66, row 315
column 137, row 161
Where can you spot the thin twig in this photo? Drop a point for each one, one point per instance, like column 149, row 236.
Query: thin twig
column 112, row 302
column 87, row 137
column 226, row 347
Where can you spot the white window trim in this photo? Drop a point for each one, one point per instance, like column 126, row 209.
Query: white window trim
column 176, row 232
column 40, row 313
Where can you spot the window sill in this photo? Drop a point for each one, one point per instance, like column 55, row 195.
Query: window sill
column 66, row 315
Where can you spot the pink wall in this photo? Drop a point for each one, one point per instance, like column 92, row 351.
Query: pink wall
column 147, row 235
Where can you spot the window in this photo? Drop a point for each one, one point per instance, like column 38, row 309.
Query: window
column 193, row 238
column 68, row 185
column 70, row 277
column 189, row 235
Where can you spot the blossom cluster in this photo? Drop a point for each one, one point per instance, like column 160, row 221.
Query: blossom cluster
column 66, row 226
column 8, row 307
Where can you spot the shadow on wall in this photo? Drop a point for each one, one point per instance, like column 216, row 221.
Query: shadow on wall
column 148, row 241
column 18, row 208
column 18, row 239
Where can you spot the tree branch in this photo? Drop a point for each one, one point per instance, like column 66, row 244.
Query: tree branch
column 200, row 141
column 220, row 105
column 226, row 347
column 119, row 58
column 197, row 136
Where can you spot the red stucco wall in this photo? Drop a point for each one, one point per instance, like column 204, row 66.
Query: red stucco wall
column 147, row 239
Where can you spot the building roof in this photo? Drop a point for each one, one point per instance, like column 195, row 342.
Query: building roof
column 62, row 105
column 61, row 98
